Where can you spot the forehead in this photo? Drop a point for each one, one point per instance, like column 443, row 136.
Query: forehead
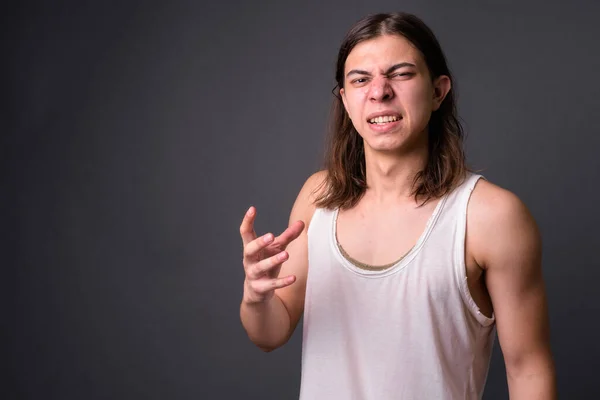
column 383, row 51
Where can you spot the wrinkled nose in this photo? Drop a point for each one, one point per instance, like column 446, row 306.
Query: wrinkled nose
column 380, row 90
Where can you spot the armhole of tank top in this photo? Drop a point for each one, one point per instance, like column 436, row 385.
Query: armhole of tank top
column 460, row 262
column 310, row 222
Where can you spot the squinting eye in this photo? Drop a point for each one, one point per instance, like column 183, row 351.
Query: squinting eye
column 359, row 80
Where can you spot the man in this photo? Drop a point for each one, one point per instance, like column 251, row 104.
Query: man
column 403, row 262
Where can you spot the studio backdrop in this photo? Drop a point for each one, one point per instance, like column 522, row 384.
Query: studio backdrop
column 134, row 136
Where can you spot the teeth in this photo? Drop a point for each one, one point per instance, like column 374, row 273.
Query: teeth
column 383, row 119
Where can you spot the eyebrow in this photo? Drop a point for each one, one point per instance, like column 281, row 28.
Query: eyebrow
column 389, row 70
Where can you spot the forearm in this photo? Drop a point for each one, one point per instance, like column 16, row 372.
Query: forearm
column 267, row 324
column 534, row 382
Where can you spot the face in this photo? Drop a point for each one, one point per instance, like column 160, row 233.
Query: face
column 389, row 94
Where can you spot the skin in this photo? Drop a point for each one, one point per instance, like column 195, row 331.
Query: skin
column 503, row 244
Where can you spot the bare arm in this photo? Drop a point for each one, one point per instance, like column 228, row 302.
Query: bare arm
column 274, row 287
column 508, row 247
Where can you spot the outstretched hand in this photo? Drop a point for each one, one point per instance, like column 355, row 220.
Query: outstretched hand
column 263, row 257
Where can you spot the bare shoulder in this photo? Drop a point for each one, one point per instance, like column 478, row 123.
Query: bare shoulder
column 488, row 198
column 498, row 222
column 304, row 207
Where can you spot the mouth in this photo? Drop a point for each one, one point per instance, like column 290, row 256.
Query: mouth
column 384, row 119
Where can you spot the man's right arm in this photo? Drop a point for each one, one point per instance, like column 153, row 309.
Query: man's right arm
column 274, row 287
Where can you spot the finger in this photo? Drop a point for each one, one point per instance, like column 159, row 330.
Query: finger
column 247, row 227
column 261, row 268
column 266, row 285
column 254, row 247
column 291, row 233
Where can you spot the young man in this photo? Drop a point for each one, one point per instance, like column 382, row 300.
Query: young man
column 402, row 260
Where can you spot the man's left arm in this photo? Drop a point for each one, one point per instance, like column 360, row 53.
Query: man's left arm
column 509, row 248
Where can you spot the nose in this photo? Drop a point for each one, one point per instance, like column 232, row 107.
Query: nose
column 380, row 89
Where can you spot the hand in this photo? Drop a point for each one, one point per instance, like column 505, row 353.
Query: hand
column 263, row 257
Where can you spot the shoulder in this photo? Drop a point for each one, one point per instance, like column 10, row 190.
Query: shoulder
column 499, row 223
column 304, row 206
column 314, row 185
column 491, row 204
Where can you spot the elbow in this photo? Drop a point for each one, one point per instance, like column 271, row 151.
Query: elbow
column 530, row 367
column 266, row 349
column 269, row 347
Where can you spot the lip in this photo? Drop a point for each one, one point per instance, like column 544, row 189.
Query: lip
column 384, row 113
column 385, row 128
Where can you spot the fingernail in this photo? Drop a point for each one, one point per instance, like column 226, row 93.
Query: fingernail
column 268, row 238
column 250, row 212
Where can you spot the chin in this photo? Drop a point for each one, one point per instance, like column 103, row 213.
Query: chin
column 385, row 147
column 394, row 144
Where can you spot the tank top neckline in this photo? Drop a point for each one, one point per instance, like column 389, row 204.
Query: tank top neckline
column 395, row 267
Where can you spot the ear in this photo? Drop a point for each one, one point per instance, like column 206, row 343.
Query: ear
column 441, row 87
column 343, row 96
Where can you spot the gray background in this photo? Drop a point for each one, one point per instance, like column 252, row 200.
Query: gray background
column 135, row 135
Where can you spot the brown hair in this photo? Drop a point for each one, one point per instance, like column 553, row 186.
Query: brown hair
column 346, row 183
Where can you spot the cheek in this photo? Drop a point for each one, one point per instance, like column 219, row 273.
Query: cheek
column 419, row 103
column 355, row 102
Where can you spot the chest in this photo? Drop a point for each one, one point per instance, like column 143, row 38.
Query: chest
column 381, row 236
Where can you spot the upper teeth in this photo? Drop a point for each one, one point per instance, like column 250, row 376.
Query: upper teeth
column 386, row 118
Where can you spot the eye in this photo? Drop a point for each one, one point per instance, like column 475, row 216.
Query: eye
column 402, row 74
column 358, row 80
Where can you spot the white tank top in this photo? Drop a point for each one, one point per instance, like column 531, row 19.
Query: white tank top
column 411, row 331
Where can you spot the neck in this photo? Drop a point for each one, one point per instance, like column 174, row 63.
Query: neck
column 390, row 176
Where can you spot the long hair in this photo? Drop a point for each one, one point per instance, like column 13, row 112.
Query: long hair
column 346, row 182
